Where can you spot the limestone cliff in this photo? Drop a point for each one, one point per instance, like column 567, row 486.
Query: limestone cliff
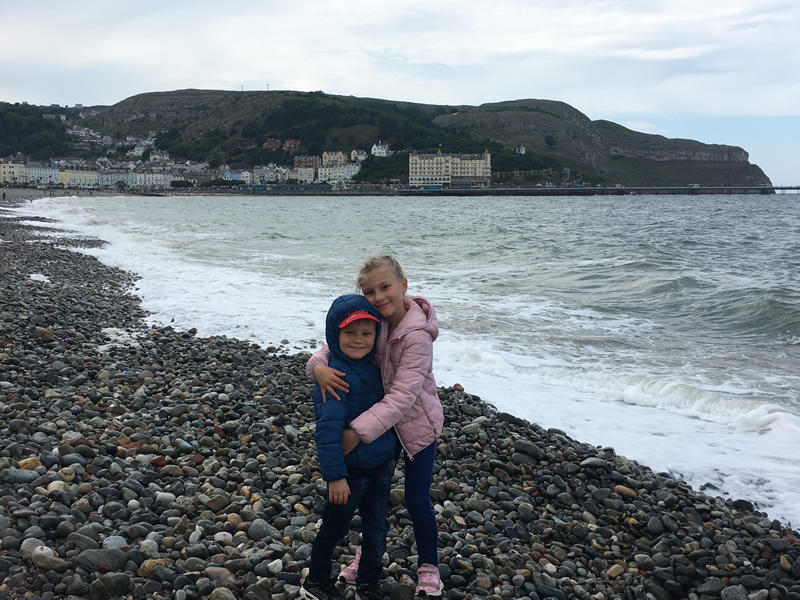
column 556, row 129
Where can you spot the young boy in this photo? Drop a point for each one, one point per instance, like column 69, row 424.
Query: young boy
column 362, row 478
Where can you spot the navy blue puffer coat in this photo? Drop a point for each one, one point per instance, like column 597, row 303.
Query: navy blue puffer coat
column 333, row 417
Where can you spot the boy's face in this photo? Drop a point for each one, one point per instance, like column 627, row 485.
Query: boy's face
column 356, row 339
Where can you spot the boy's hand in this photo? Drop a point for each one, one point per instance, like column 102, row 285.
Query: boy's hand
column 350, row 440
column 338, row 491
column 329, row 381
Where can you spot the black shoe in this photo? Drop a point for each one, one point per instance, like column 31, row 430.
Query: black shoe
column 369, row 591
column 320, row 590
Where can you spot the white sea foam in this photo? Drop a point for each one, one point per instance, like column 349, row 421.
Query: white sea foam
column 700, row 451
column 628, row 379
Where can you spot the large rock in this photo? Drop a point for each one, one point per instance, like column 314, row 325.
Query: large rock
column 14, row 475
column 92, row 559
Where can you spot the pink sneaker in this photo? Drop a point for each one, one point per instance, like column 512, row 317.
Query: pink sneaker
column 350, row 572
column 428, row 581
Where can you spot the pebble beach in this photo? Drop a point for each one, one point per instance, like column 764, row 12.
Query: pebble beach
column 145, row 462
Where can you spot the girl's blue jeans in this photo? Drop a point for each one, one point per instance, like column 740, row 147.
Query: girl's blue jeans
column 419, row 472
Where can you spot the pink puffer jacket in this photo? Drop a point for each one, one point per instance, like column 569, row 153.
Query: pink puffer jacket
column 411, row 404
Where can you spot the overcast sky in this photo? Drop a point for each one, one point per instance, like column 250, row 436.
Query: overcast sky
column 718, row 71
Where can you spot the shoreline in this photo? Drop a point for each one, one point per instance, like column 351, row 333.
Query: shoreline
column 15, row 196
column 187, row 465
column 29, row 193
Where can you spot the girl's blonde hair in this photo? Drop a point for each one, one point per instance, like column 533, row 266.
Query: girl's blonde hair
column 373, row 263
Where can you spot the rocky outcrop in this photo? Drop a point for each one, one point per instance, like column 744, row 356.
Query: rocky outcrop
column 543, row 126
column 556, row 129
column 622, row 142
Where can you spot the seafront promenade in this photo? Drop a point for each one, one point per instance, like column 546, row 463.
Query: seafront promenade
column 509, row 191
column 30, row 193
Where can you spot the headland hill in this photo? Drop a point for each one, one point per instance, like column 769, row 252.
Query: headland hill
column 261, row 141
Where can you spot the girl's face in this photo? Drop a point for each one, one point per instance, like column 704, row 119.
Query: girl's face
column 385, row 291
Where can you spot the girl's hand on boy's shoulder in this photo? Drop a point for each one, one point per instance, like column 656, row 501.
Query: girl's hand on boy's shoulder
column 330, row 380
column 338, row 491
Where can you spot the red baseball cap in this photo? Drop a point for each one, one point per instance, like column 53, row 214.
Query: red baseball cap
column 356, row 315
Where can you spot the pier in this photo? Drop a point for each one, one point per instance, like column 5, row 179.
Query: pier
column 360, row 190
column 605, row 191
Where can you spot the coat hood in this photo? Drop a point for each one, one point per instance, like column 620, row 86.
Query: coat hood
column 341, row 307
column 420, row 315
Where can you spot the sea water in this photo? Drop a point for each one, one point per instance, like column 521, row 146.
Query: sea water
column 666, row 327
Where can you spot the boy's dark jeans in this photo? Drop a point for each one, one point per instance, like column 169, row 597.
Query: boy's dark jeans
column 369, row 492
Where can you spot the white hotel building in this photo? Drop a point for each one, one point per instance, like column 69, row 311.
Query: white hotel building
column 450, row 170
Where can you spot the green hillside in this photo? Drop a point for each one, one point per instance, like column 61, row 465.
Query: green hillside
column 24, row 129
column 320, row 123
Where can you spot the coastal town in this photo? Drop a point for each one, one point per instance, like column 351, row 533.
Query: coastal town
column 145, row 168
column 191, row 141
